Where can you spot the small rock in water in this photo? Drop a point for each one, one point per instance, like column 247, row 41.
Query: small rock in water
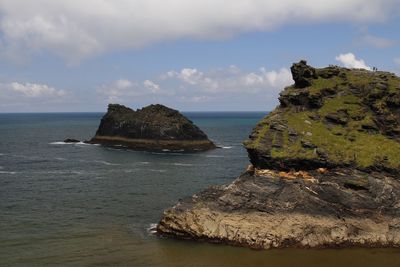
column 71, row 140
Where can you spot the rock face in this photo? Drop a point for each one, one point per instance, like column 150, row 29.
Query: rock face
column 152, row 127
column 342, row 118
column 325, row 170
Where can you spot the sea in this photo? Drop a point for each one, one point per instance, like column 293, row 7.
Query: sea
column 88, row 205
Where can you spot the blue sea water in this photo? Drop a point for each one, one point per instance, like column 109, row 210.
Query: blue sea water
column 88, row 205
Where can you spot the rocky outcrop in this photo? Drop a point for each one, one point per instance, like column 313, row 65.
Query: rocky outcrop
column 152, row 127
column 268, row 209
column 332, row 117
column 325, row 170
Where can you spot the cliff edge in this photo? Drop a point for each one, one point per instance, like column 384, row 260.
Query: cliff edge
column 325, row 170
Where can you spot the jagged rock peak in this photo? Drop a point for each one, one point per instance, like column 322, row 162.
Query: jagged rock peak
column 302, row 74
column 117, row 108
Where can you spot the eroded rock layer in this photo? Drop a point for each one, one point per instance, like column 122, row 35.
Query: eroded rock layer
column 270, row 209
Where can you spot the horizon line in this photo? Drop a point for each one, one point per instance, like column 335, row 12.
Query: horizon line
column 53, row 112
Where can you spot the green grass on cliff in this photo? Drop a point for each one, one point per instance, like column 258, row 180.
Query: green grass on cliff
column 350, row 143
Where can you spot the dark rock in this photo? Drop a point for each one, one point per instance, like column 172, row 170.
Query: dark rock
column 270, row 209
column 303, row 74
column 71, row 140
column 338, row 118
column 307, row 144
column 152, row 127
column 329, row 72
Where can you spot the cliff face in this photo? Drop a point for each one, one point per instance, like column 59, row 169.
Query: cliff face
column 325, row 170
column 152, row 127
column 332, row 117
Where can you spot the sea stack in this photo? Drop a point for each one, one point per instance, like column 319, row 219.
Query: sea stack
column 325, row 170
column 152, row 127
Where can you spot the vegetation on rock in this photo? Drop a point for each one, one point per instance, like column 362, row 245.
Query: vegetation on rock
column 333, row 117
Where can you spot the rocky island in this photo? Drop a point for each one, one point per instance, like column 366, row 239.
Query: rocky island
column 324, row 171
column 152, row 127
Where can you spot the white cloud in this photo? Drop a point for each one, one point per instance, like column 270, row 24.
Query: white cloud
column 191, row 86
column 35, row 90
column 123, row 90
column 17, row 96
column 376, row 41
column 349, row 60
column 152, row 86
column 122, row 84
column 232, row 79
column 76, row 29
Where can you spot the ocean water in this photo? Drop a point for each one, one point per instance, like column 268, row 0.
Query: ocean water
column 87, row 205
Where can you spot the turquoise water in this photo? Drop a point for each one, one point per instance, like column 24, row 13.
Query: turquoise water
column 86, row 205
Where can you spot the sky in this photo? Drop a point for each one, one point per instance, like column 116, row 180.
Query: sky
column 191, row 55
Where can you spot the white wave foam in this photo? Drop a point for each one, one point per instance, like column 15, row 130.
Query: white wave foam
column 101, row 162
column 214, row 156
column 106, row 163
column 131, row 170
column 77, row 143
column 155, row 170
column 62, row 159
column 5, row 172
column 182, row 164
column 82, row 143
column 226, row 147
column 152, row 229
column 60, row 143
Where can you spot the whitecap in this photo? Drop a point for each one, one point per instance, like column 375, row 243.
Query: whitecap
column 182, row 164
column 61, row 159
column 106, row 163
column 131, row 170
column 152, row 229
column 86, row 144
column 214, row 156
column 5, row 172
column 226, row 147
column 60, row 143
column 144, row 162
column 155, row 170
column 166, row 150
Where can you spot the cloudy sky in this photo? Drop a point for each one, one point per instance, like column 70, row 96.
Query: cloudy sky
column 193, row 55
